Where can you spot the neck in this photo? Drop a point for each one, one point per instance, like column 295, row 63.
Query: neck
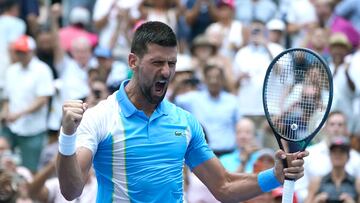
column 338, row 174
column 138, row 99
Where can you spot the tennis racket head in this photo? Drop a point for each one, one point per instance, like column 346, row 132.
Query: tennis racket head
column 297, row 96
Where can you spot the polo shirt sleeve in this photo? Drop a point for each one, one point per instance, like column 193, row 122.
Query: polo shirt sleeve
column 198, row 150
column 92, row 128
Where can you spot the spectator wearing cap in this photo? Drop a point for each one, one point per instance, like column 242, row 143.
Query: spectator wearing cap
column 28, row 87
column 111, row 72
column 205, row 52
column 276, row 28
column 349, row 9
column 338, row 185
column 229, row 33
column 344, row 86
column 79, row 20
column 318, row 163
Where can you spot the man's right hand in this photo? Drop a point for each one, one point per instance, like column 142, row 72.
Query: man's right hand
column 73, row 111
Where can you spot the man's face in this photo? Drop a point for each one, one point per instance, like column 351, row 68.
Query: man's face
column 339, row 156
column 23, row 57
column 155, row 70
column 336, row 125
column 214, row 81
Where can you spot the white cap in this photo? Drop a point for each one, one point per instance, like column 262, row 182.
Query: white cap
column 275, row 24
column 79, row 15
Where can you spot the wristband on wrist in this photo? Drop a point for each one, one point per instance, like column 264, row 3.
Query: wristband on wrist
column 267, row 180
column 67, row 144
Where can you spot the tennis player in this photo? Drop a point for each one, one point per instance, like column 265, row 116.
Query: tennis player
column 138, row 141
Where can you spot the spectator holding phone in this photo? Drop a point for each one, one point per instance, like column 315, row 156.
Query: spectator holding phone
column 337, row 186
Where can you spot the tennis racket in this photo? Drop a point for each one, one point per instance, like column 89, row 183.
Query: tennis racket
column 297, row 97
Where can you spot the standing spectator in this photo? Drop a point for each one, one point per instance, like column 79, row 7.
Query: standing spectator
column 105, row 17
column 250, row 65
column 216, row 110
column 69, row 5
column 231, row 31
column 11, row 28
column 301, row 17
column 29, row 12
column 199, row 15
column 28, row 87
column 249, row 10
column 338, row 185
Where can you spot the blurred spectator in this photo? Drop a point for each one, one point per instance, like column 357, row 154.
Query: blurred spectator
column 79, row 19
column 246, row 145
column 98, row 92
column 69, row 5
column 50, row 150
column 350, row 10
column 105, row 17
column 184, row 80
column 26, row 102
column 47, row 189
column 344, row 86
column 338, row 185
column 110, row 71
column 29, row 12
column 11, row 28
column 354, row 71
column 166, row 11
column 199, row 15
column 328, row 19
column 250, row 65
column 205, row 52
column 317, row 39
column 249, row 10
column 276, row 28
column 301, row 17
column 318, row 163
column 216, row 110
column 230, row 32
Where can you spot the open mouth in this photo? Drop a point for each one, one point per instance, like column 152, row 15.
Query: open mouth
column 160, row 86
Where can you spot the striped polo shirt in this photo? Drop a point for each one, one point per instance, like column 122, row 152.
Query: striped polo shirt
column 139, row 158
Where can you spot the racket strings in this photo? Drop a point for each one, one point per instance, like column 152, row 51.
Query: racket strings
column 297, row 89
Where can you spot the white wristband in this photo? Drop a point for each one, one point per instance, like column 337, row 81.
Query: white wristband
column 67, row 144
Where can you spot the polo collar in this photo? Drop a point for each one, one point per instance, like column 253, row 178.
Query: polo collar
column 128, row 108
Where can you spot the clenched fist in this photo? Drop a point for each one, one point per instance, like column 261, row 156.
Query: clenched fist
column 73, row 111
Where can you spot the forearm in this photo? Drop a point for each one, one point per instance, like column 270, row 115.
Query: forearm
column 191, row 15
column 36, row 105
column 100, row 24
column 71, row 178
column 239, row 187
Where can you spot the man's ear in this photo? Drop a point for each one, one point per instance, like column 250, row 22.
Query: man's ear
column 133, row 61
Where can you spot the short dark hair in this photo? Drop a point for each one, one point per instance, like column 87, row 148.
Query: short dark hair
column 152, row 32
column 209, row 67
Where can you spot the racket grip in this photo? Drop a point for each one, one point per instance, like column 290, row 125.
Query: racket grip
column 288, row 192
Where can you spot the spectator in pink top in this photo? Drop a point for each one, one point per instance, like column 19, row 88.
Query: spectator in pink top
column 79, row 19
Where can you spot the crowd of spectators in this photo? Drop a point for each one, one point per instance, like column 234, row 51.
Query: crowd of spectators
column 56, row 50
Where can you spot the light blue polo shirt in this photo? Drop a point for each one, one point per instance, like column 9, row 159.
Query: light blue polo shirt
column 137, row 158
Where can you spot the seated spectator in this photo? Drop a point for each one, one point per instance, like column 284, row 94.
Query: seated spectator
column 318, row 163
column 338, row 185
column 246, row 145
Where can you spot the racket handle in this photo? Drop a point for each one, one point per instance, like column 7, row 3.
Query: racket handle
column 288, row 192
